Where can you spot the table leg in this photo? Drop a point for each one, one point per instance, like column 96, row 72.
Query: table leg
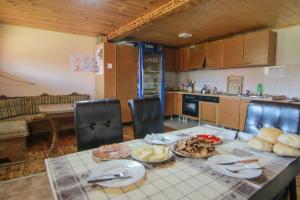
column 293, row 190
column 55, row 129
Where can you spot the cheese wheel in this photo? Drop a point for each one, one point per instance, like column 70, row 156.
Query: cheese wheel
column 260, row 144
column 270, row 134
column 291, row 140
column 285, row 150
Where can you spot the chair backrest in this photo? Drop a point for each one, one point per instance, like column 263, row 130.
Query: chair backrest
column 285, row 116
column 97, row 122
column 147, row 116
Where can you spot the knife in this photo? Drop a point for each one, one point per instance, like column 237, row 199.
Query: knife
column 239, row 161
column 107, row 179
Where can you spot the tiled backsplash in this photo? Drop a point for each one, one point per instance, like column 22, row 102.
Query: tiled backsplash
column 277, row 80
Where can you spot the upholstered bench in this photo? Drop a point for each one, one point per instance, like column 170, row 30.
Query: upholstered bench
column 18, row 113
column 13, row 140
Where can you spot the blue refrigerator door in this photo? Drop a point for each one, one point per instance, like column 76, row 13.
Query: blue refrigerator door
column 151, row 71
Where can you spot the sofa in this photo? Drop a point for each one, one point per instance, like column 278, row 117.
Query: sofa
column 16, row 113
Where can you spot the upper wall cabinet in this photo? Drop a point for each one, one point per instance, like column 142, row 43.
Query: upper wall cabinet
column 260, row 48
column 233, row 51
column 214, row 54
column 170, row 59
column 193, row 57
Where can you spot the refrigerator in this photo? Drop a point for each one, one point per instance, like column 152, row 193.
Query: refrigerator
column 151, row 78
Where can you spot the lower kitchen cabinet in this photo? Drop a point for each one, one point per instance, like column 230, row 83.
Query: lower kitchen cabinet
column 178, row 104
column 169, row 104
column 229, row 112
column 173, row 104
column 208, row 112
column 243, row 113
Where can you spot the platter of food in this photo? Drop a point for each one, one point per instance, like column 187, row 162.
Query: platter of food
column 151, row 153
column 194, row 147
column 111, row 152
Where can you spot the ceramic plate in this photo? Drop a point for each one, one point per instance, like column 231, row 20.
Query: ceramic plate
column 135, row 169
column 111, row 152
column 168, row 139
column 245, row 173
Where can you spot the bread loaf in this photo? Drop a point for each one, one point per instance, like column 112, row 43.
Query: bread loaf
column 285, row 150
column 270, row 134
column 291, row 140
column 260, row 144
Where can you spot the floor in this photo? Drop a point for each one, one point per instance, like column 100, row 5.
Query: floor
column 36, row 187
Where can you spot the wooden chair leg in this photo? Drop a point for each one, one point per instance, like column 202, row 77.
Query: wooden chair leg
column 293, row 190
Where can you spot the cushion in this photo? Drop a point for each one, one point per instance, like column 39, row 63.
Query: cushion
column 27, row 118
column 11, row 129
column 12, row 107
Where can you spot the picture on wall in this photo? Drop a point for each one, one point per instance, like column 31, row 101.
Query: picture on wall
column 82, row 62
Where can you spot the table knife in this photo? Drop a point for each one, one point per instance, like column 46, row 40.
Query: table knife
column 239, row 161
column 107, row 179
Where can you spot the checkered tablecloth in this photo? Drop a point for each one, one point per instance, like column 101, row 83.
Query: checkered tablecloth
column 181, row 179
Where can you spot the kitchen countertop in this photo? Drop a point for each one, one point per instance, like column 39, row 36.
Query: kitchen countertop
column 269, row 98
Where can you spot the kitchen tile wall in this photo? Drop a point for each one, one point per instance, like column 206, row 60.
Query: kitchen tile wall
column 277, row 80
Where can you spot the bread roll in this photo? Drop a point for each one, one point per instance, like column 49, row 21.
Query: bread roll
column 291, row 140
column 270, row 134
column 260, row 144
column 285, row 150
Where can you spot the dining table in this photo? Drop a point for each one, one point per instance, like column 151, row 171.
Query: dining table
column 54, row 113
column 180, row 178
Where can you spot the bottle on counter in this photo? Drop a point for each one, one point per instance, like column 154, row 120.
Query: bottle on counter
column 259, row 89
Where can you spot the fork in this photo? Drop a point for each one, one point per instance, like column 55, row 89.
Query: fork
column 121, row 175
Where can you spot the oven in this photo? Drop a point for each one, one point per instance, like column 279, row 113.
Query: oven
column 190, row 106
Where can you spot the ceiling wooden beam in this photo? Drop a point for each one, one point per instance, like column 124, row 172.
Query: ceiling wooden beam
column 165, row 9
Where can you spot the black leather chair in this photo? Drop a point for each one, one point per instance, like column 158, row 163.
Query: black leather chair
column 147, row 116
column 261, row 114
column 284, row 116
column 97, row 122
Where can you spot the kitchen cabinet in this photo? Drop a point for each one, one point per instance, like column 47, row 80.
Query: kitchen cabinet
column 106, row 82
column 119, row 77
column 233, row 52
column 229, row 112
column 178, row 60
column 170, row 59
column 208, row 112
column 127, row 70
column 243, row 113
column 193, row 57
column 169, row 104
column 178, row 104
column 260, row 48
column 214, row 54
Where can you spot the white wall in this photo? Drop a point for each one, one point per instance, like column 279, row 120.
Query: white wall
column 43, row 57
column 282, row 79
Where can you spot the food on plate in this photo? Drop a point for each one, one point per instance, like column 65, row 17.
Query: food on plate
column 112, row 151
column 194, row 147
column 291, row 140
column 285, row 150
column 210, row 138
column 270, row 134
column 260, row 144
column 151, row 153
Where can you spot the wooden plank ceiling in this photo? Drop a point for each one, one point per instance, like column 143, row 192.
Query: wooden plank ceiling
column 84, row 17
column 158, row 21
column 213, row 19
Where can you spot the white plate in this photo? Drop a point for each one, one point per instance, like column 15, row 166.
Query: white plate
column 169, row 139
column 168, row 158
column 245, row 173
column 135, row 169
